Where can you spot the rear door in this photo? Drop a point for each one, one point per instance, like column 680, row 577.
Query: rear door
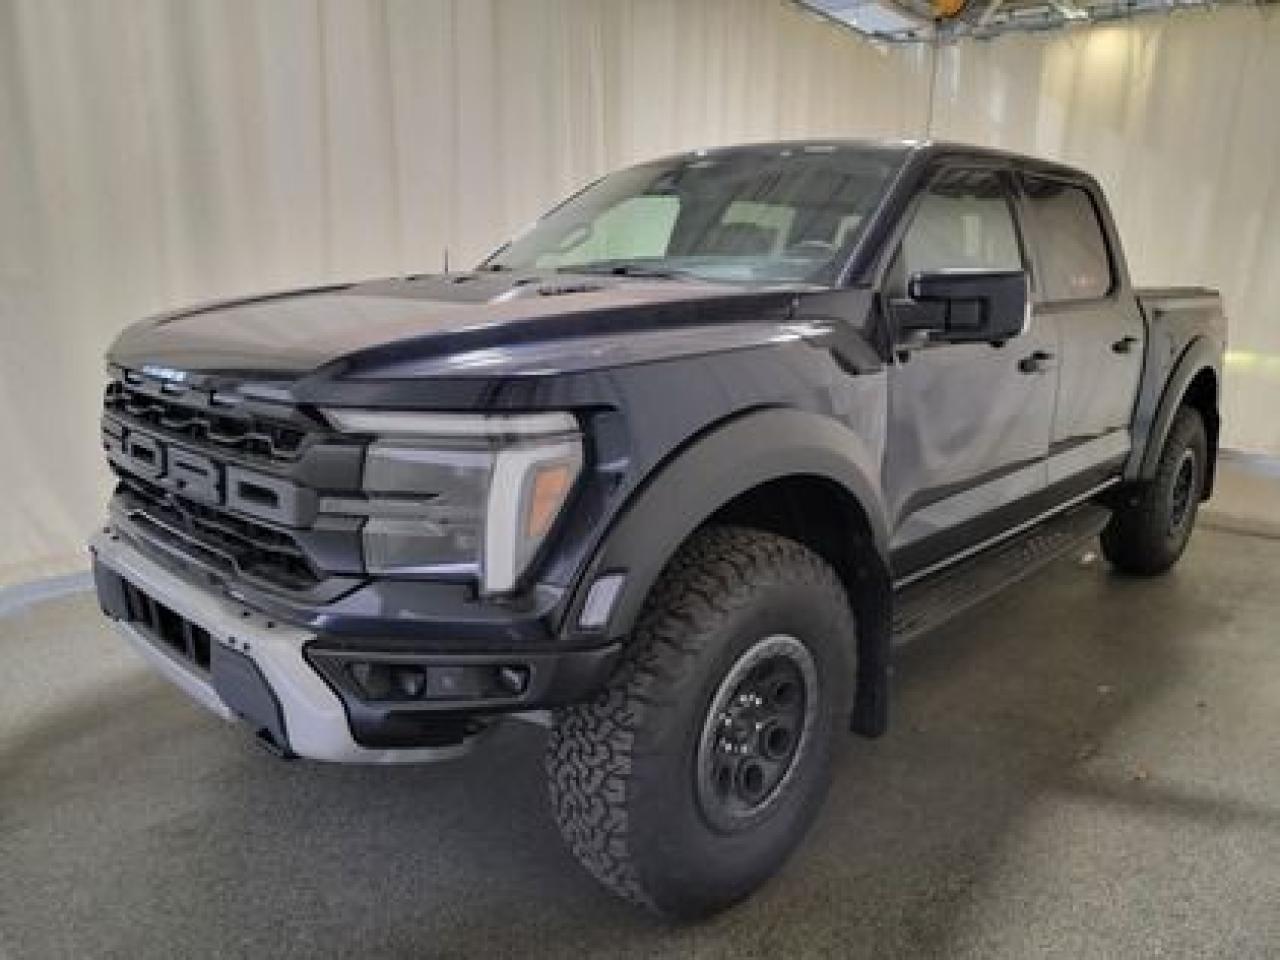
column 1082, row 291
column 969, row 423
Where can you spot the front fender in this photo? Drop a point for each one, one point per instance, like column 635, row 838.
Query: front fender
column 710, row 471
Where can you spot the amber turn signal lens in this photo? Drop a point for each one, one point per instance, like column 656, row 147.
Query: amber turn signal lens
column 550, row 487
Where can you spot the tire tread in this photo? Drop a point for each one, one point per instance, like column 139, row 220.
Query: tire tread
column 1136, row 540
column 590, row 752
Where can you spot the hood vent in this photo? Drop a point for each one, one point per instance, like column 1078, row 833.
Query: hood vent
column 536, row 287
column 563, row 289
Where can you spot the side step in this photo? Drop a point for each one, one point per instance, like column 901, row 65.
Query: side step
column 927, row 604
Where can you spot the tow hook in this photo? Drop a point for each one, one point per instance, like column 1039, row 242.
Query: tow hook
column 268, row 743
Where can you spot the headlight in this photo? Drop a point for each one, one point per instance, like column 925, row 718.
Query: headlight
column 452, row 494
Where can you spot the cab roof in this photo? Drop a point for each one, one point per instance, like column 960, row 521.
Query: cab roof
column 903, row 150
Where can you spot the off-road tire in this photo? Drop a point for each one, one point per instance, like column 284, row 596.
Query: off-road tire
column 623, row 768
column 1142, row 537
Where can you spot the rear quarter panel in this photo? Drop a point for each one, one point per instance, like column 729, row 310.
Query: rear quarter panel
column 1186, row 333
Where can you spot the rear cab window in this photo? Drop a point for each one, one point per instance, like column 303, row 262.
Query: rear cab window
column 1071, row 245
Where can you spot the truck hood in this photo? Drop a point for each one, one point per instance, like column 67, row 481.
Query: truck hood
column 453, row 324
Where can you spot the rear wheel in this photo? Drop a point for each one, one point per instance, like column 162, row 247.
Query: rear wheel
column 687, row 782
column 1149, row 531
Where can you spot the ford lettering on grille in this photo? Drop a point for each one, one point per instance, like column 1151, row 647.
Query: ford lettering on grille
column 187, row 473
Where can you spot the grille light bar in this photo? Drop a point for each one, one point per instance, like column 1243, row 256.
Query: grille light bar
column 407, row 423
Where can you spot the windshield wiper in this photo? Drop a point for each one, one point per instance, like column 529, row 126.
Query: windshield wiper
column 624, row 269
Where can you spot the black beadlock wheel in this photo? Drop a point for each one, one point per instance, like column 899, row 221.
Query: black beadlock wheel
column 755, row 731
column 688, row 781
column 1149, row 531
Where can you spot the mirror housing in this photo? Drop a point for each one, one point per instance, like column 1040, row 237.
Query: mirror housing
column 965, row 305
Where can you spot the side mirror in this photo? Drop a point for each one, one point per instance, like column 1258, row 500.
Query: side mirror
column 965, row 306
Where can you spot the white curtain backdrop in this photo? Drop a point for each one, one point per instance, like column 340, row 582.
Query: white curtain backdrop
column 159, row 152
column 1179, row 117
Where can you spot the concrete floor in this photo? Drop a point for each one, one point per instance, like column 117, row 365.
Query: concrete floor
column 1087, row 766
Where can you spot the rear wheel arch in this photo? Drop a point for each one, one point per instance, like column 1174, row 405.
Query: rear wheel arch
column 1194, row 381
column 1202, row 394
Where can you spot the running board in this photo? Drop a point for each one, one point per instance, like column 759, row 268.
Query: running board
column 927, row 604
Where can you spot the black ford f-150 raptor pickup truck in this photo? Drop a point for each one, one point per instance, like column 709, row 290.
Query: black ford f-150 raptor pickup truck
column 670, row 472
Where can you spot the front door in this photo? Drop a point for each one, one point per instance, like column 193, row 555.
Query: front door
column 969, row 423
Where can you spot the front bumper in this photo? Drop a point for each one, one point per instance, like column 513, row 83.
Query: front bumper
column 243, row 665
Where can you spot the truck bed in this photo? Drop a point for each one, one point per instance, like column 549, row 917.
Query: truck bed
column 1175, row 315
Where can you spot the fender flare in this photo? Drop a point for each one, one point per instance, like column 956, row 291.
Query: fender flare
column 718, row 465
column 1200, row 355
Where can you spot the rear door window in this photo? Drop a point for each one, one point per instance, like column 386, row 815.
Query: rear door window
column 1073, row 259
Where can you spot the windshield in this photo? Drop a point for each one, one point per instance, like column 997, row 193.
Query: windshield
column 762, row 215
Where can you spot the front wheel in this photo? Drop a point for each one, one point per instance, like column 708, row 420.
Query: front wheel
column 1149, row 531
column 688, row 781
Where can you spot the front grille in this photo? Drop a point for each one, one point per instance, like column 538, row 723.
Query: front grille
column 167, row 628
column 232, row 483
column 233, row 544
column 199, row 417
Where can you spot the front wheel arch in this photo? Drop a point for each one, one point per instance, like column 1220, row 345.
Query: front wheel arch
column 773, row 470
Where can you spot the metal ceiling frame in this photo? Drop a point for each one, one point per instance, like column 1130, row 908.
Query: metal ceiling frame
column 992, row 18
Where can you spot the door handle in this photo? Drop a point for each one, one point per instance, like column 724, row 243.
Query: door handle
column 1037, row 362
column 1124, row 344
